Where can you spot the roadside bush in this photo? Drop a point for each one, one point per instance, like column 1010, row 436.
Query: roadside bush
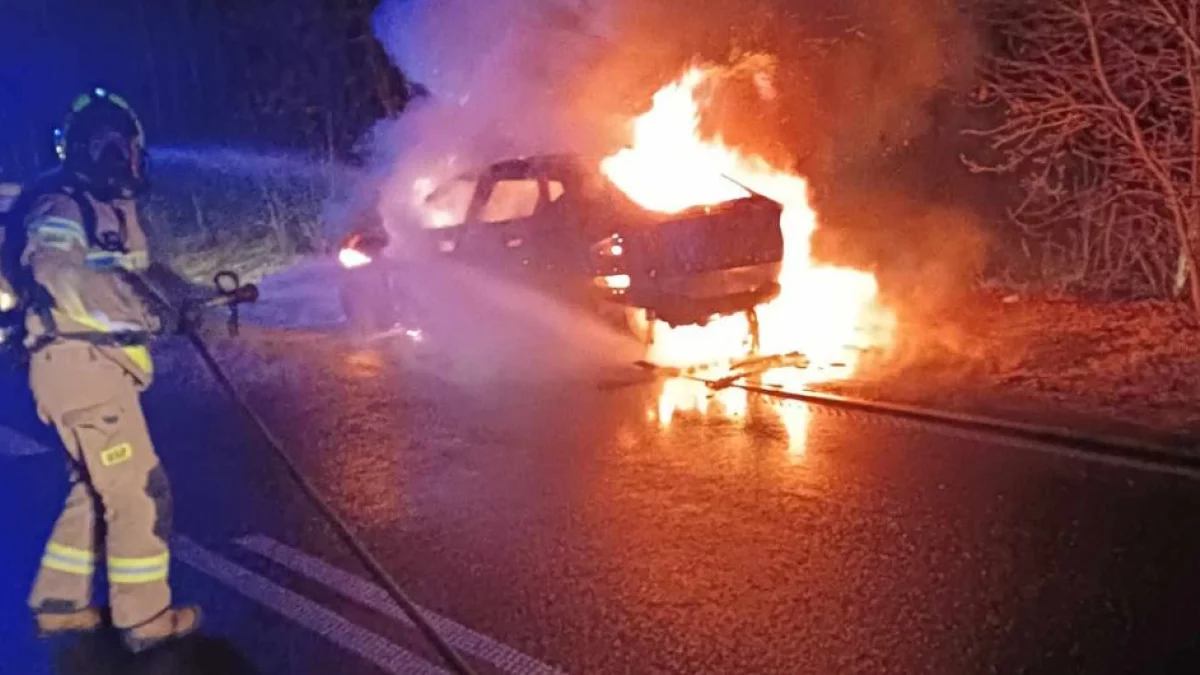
column 202, row 219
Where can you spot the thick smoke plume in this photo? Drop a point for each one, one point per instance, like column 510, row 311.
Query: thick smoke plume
column 495, row 74
column 857, row 79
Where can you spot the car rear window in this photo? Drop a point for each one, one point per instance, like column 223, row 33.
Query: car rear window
column 510, row 200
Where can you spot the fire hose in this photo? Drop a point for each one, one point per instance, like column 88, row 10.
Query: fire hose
column 231, row 294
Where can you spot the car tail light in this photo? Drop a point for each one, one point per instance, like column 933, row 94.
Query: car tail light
column 609, row 250
column 609, row 267
column 351, row 258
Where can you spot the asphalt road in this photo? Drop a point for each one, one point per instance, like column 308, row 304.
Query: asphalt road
column 560, row 526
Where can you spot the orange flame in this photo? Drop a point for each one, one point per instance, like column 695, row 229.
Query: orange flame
column 669, row 169
column 826, row 313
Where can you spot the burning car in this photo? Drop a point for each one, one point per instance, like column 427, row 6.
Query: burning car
column 559, row 223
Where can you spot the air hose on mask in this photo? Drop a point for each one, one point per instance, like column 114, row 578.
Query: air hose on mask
column 231, row 293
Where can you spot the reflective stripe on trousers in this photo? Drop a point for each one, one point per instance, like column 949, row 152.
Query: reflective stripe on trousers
column 138, row 570
column 93, row 402
column 68, row 559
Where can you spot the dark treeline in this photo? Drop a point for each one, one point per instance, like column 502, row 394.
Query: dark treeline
column 300, row 74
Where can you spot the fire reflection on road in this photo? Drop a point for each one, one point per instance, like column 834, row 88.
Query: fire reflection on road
column 682, row 398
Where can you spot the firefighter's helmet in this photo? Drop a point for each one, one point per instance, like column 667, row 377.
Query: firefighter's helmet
column 102, row 144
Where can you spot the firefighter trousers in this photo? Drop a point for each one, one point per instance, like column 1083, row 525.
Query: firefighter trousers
column 118, row 510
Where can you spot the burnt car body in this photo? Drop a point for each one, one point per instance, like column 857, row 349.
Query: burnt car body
column 556, row 222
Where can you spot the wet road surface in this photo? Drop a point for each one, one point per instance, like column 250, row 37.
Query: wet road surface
column 554, row 525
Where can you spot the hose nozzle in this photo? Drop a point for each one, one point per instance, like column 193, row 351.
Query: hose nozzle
column 231, row 293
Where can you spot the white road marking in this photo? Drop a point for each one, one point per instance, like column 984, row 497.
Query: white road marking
column 375, row 597
column 374, row 648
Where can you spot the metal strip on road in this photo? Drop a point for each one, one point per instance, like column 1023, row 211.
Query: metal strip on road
column 371, row 646
column 1100, row 449
column 375, row 597
column 1097, row 448
column 989, row 437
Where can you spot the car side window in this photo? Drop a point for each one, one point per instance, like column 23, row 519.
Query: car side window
column 511, row 199
column 449, row 204
column 554, row 190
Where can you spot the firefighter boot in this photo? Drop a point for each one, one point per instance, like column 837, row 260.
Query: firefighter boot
column 50, row 624
column 172, row 624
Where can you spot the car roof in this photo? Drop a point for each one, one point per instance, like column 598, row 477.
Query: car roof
column 548, row 163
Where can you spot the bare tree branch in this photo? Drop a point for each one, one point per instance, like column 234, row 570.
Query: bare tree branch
column 1095, row 110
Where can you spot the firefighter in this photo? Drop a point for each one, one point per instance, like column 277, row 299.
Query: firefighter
column 87, row 328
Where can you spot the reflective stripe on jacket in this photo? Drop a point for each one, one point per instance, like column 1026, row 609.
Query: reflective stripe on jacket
column 85, row 290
